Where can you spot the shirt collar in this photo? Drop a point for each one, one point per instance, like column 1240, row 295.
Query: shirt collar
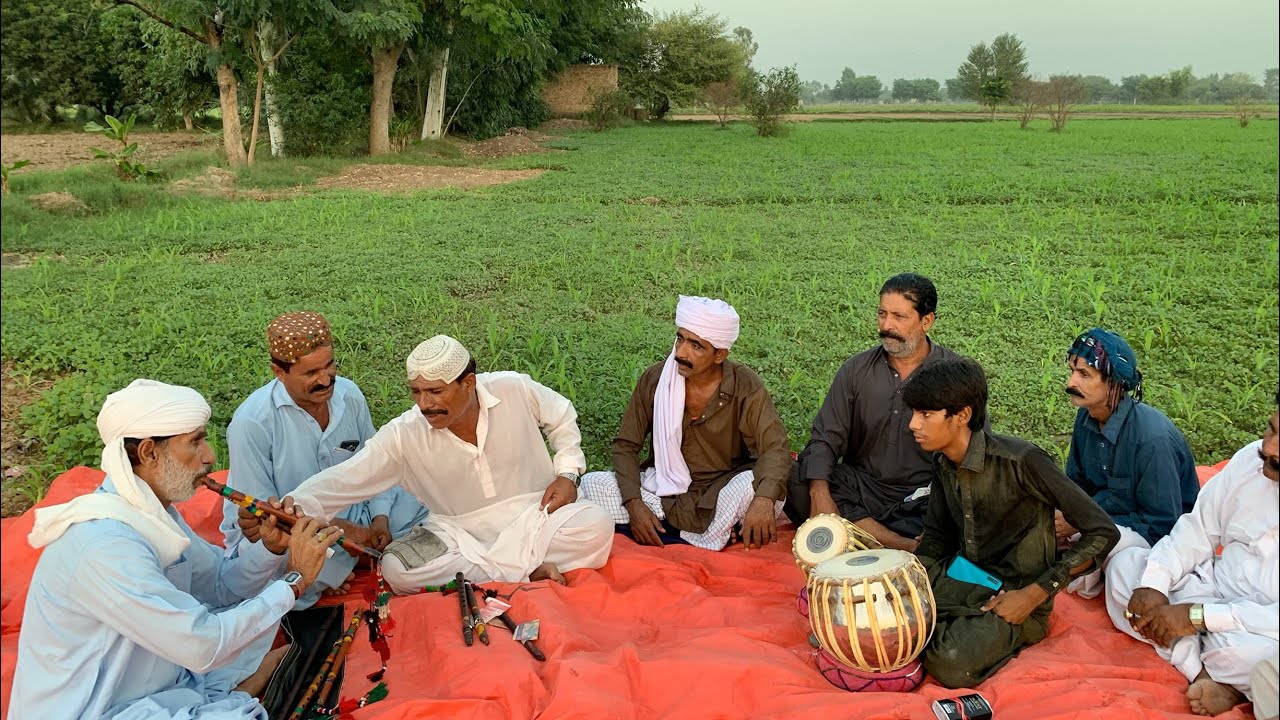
column 976, row 456
column 1111, row 429
column 280, row 397
column 486, row 399
column 729, row 381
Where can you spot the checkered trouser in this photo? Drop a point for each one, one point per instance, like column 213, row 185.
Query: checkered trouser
column 601, row 488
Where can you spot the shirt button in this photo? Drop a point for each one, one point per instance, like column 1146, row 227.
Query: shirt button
column 895, row 412
column 968, row 516
column 1055, row 584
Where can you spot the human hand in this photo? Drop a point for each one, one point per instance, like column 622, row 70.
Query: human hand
column 1015, row 606
column 308, row 547
column 1144, row 601
column 1062, row 529
column 645, row 525
column 380, row 533
column 267, row 529
column 760, row 524
column 820, row 500
column 353, row 533
column 559, row 493
column 1165, row 624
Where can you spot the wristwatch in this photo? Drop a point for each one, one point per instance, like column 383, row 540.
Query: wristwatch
column 1196, row 615
column 573, row 477
column 294, row 580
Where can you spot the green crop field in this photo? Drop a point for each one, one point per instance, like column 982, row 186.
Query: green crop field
column 1163, row 231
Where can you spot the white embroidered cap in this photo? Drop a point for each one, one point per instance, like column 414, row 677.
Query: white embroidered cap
column 440, row 358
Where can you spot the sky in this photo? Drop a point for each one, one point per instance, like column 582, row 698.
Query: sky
column 930, row 38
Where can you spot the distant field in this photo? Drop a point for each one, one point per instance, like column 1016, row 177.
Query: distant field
column 1164, row 231
column 975, row 108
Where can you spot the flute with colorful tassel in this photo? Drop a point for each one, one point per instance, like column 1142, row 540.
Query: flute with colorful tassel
column 259, row 508
column 328, row 669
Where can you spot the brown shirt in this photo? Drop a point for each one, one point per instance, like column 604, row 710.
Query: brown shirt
column 738, row 430
column 996, row 509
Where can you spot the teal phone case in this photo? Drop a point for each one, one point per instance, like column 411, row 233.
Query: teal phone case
column 964, row 571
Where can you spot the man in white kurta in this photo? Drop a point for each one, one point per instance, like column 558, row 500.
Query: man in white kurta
column 473, row 449
column 119, row 619
column 1214, row 616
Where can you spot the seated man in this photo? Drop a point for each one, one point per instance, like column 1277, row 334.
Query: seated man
column 861, row 461
column 473, row 450
column 118, row 619
column 720, row 455
column 992, row 505
column 304, row 421
column 1213, row 614
column 1128, row 456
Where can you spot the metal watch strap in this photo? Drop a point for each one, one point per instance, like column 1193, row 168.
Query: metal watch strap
column 1196, row 616
column 573, row 477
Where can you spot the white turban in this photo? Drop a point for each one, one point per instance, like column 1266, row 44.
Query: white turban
column 146, row 408
column 716, row 322
column 440, row 358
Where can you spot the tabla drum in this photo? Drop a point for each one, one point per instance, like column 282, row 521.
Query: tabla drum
column 828, row 535
column 871, row 610
column 904, row 679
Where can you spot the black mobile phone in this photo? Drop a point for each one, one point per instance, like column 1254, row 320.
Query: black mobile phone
column 349, row 445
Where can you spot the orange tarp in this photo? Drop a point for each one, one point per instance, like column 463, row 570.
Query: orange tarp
column 675, row 632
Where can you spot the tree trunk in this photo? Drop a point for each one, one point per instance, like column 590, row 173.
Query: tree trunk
column 385, row 60
column 229, row 101
column 275, row 129
column 257, row 110
column 188, row 121
column 433, row 118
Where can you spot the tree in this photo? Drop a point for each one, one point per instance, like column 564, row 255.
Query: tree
column 746, row 40
column 865, row 87
column 722, row 98
column 1271, row 84
column 1009, row 57
column 383, row 27
column 1099, row 89
column 1027, row 96
column 813, row 92
column 1005, row 58
column 995, row 91
column 1167, row 88
column 842, row 91
column 955, row 90
column 1060, row 94
column 1129, row 86
column 770, row 96
column 683, row 53
column 921, row 90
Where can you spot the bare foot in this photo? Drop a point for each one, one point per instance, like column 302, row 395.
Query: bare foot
column 547, row 571
column 1209, row 697
column 256, row 683
column 342, row 589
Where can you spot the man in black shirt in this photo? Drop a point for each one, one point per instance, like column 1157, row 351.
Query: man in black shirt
column 992, row 504
column 861, row 461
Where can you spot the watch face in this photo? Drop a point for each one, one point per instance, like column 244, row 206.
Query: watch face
column 293, row 577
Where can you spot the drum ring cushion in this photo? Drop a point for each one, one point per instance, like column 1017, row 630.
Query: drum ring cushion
column 904, row 679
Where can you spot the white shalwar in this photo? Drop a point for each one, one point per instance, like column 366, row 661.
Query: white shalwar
column 108, row 632
column 483, row 498
column 1239, row 510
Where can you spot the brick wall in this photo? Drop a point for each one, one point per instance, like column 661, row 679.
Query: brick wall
column 569, row 93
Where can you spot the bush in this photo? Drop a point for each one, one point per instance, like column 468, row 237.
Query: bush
column 769, row 97
column 722, row 99
column 323, row 94
column 608, row 109
column 122, row 156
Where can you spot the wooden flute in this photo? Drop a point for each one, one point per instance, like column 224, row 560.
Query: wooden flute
column 259, row 508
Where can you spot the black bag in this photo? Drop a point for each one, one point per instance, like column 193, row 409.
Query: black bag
column 312, row 633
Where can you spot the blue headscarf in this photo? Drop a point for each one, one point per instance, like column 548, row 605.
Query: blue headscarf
column 1110, row 355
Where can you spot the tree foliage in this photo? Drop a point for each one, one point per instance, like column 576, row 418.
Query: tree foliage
column 920, row 90
column 769, row 97
column 1004, row 58
column 682, row 53
column 852, row 87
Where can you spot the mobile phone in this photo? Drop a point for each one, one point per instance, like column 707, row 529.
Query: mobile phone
column 349, row 445
column 964, row 571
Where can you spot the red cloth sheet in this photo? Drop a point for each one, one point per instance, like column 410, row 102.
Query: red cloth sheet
column 675, row 632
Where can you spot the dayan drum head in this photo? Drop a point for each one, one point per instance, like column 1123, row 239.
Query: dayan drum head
column 871, row 610
column 827, row 536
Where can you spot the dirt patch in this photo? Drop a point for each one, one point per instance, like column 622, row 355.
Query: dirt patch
column 61, row 150
column 58, row 202
column 405, row 178
column 221, row 183
column 18, row 455
column 517, row 141
column 564, row 125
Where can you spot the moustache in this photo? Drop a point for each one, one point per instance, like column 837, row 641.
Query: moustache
column 1272, row 463
column 320, row 388
column 886, row 334
column 1073, row 391
column 684, row 363
column 430, row 413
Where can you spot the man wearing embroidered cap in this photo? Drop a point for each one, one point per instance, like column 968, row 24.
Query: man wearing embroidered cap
column 305, row 420
column 474, row 450
column 117, row 620
column 1127, row 455
column 720, row 455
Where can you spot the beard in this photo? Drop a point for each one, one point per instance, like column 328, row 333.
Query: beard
column 899, row 348
column 175, row 482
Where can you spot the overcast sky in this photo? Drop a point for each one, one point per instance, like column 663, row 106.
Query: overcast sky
column 929, row 38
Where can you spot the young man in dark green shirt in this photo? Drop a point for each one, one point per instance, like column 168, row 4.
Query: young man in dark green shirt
column 992, row 503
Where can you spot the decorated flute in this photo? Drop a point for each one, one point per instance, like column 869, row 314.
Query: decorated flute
column 258, row 508
column 328, row 668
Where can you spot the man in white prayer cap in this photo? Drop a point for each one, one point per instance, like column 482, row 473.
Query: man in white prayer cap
column 117, row 621
column 473, row 448
column 720, row 453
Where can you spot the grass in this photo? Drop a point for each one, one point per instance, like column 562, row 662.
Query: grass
column 948, row 108
column 1165, row 232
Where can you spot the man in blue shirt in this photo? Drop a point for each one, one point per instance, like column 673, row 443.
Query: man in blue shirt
column 306, row 420
column 1127, row 455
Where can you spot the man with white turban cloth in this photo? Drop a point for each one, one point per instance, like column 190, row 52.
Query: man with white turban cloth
column 473, row 449
column 720, row 454
column 118, row 620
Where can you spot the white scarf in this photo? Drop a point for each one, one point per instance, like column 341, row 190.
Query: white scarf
column 146, row 408
column 716, row 322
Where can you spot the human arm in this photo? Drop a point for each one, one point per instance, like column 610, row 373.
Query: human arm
column 828, row 438
column 766, row 439
column 941, row 537
column 1157, row 490
column 376, row 468
column 1098, row 534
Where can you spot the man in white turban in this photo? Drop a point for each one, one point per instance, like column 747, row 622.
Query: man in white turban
column 473, row 448
column 720, row 454
column 118, row 619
